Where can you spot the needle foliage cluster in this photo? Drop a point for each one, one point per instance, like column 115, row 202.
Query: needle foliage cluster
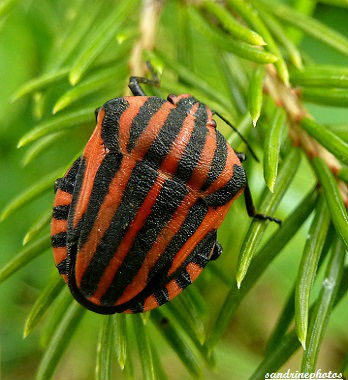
column 278, row 72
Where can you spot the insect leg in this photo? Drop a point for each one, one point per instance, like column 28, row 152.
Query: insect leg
column 241, row 156
column 238, row 133
column 251, row 208
column 134, row 82
column 217, row 251
column 56, row 184
column 164, row 288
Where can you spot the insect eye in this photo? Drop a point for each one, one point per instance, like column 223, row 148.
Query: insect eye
column 171, row 98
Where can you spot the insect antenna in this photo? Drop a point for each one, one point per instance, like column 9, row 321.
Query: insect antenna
column 239, row 134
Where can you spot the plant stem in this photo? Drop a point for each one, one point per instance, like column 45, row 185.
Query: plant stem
column 289, row 99
column 149, row 18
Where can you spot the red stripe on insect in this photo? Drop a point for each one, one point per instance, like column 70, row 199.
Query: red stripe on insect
column 170, row 163
column 210, row 117
column 176, row 98
column 126, row 244
column 193, row 270
column 202, row 168
column 173, row 226
column 227, row 172
column 150, row 303
column 60, row 253
column 151, row 131
column 213, row 219
column 94, row 154
column 116, row 189
column 126, row 120
column 59, row 226
column 105, row 214
column 173, row 289
column 62, row 198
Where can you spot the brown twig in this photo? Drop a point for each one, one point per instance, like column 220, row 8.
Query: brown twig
column 149, row 18
column 288, row 98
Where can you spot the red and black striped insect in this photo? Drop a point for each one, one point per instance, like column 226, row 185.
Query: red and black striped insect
column 135, row 217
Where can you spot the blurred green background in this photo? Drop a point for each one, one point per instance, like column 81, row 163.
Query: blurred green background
column 27, row 38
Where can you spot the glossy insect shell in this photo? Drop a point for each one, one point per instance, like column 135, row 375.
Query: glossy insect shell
column 135, row 217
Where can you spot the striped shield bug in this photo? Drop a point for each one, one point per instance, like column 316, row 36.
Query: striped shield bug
column 135, row 217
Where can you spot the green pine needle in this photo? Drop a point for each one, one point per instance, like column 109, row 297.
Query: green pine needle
column 268, row 206
column 337, row 209
column 105, row 350
column 24, row 256
column 262, row 260
column 56, row 124
column 308, row 267
column 272, row 146
column 60, row 340
column 42, row 304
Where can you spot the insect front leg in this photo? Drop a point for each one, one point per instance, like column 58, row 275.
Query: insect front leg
column 134, row 82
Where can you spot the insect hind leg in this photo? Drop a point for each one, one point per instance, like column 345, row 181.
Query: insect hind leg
column 241, row 156
column 134, row 82
column 186, row 275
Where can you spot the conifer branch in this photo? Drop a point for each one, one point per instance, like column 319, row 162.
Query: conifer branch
column 289, row 99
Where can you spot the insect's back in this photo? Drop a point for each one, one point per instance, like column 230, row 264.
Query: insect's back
column 153, row 185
